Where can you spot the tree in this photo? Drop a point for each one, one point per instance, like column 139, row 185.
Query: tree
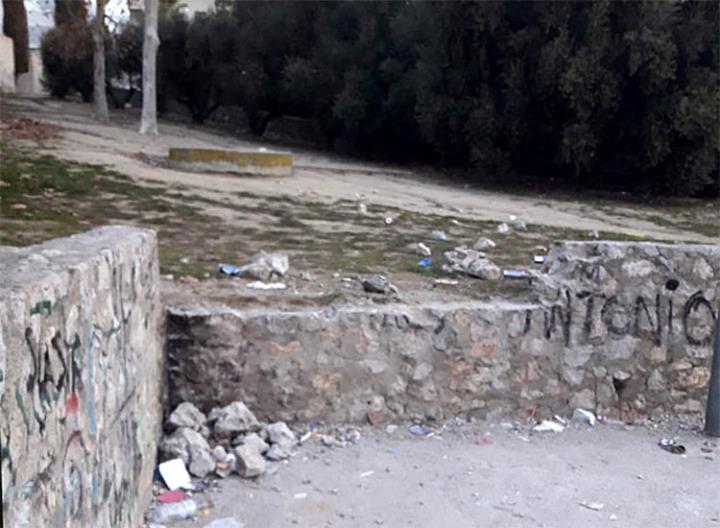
column 15, row 26
column 148, row 120
column 100, row 96
column 70, row 12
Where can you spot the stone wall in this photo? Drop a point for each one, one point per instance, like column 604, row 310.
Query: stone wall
column 80, row 379
column 620, row 328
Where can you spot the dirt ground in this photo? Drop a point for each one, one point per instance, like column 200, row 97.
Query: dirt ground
column 94, row 174
column 510, row 479
column 321, row 177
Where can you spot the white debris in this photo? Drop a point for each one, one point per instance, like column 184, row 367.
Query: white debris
column 259, row 285
column 446, row 282
column 366, row 474
column 389, row 220
column 175, row 474
column 439, row 234
column 503, row 228
column 583, row 416
column 548, row 426
column 422, row 250
column 362, row 209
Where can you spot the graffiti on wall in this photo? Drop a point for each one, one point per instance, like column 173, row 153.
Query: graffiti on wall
column 574, row 315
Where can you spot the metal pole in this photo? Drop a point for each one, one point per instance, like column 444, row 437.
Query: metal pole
column 712, row 412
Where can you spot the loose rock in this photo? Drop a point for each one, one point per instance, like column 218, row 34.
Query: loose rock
column 187, row 415
column 422, row 250
column 232, row 419
column 472, row 263
column 439, row 234
column 201, row 460
column 249, row 461
column 375, row 284
column 179, row 444
column 263, row 266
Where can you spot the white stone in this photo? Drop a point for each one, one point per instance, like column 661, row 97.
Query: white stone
column 234, row 418
column 249, row 461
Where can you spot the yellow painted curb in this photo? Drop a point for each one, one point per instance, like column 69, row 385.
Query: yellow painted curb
column 237, row 161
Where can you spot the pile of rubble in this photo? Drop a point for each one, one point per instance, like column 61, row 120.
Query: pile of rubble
column 229, row 440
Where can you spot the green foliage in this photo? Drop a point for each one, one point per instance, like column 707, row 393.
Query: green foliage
column 600, row 94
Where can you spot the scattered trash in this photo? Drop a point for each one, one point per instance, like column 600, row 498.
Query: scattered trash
column 226, row 522
column 483, row 441
column 548, row 426
column 304, row 438
column 670, row 445
column 539, row 259
column 185, row 260
column 169, row 497
column 512, row 218
column 418, row 430
column 613, row 517
column 366, row 474
column 422, row 250
column 515, row 274
column 178, row 511
column 484, row 244
column 391, row 428
column 439, row 234
column 392, row 450
column 447, row 282
column 259, row 285
column 456, row 222
column 520, row 226
column 375, row 284
column 583, row 416
column 503, row 228
column 376, row 417
column 424, row 263
column 175, row 474
column 18, row 206
column 300, row 495
column 362, row 209
column 389, row 220
column 594, row 506
column 229, row 269
column 594, row 234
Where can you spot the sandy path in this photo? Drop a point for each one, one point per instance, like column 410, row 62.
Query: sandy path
column 319, row 177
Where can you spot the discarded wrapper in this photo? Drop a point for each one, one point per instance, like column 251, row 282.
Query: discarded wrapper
column 229, row 269
column 515, row 274
column 670, row 445
column 539, row 259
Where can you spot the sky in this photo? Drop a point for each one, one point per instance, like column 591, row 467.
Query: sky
column 40, row 14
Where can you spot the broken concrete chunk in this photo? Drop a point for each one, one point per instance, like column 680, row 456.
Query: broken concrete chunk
column 483, row 244
column 187, row 415
column 249, row 461
column 232, row 419
column 201, row 460
column 280, row 433
column 177, row 445
column 254, row 440
column 219, row 453
column 224, row 467
column 471, row 262
column 263, row 266
column 375, row 284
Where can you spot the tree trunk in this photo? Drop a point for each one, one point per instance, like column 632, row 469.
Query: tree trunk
column 101, row 106
column 148, row 121
column 15, row 26
column 70, row 12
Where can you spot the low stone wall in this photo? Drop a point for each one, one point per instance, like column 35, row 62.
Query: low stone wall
column 265, row 163
column 622, row 329
column 80, row 379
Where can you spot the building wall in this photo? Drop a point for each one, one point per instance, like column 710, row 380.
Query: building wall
column 606, row 329
column 80, row 379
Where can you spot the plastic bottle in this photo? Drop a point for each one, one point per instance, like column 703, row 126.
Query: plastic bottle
column 178, row 511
